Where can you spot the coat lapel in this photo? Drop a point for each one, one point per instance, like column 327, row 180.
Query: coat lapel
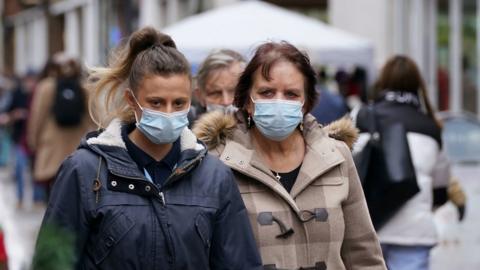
column 247, row 162
column 321, row 155
column 316, row 163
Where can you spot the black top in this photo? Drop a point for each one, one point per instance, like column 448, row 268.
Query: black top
column 401, row 108
column 159, row 171
column 288, row 179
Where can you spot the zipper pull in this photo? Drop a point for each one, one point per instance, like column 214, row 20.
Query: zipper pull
column 96, row 188
column 96, row 183
column 162, row 198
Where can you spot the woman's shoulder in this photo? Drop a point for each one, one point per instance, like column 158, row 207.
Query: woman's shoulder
column 343, row 132
column 339, row 132
column 81, row 160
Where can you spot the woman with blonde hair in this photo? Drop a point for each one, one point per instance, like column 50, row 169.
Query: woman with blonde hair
column 143, row 193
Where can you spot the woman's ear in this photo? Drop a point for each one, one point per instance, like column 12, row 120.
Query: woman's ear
column 249, row 107
column 304, row 109
column 129, row 98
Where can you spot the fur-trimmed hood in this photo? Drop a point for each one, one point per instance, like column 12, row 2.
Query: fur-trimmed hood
column 215, row 127
column 109, row 144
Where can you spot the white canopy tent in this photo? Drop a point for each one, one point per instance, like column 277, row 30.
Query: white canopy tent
column 244, row 25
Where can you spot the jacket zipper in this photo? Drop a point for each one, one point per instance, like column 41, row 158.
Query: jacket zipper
column 172, row 178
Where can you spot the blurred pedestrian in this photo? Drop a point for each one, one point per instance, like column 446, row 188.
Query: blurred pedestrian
column 400, row 97
column 215, row 82
column 143, row 193
column 330, row 106
column 58, row 117
column 300, row 187
column 6, row 86
column 18, row 113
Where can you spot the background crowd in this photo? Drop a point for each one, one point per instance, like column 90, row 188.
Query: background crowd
column 45, row 113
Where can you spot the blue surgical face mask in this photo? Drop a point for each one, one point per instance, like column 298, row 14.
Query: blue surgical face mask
column 159, row 127
column 230, row 109
column 276, row 119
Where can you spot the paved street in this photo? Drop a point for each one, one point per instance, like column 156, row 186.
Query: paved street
column 459, row 247
column 20, row 226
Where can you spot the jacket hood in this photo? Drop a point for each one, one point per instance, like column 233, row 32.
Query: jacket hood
column 215, row 127
column 110, row 145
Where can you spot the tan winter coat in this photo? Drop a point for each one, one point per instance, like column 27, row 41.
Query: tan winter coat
column 324, row 220
column 51, row 143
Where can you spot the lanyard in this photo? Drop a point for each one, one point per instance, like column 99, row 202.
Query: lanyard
column 147, row 175
column 149, row 178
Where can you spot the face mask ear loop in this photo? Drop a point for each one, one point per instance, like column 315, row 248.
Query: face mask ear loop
column 136, row 101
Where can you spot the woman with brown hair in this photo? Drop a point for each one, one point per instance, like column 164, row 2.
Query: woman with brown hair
column 143, row 193
column 400, row 97
column 299, row 185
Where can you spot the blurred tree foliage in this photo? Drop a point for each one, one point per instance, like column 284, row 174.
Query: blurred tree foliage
column 54, row 250
column 469, row 36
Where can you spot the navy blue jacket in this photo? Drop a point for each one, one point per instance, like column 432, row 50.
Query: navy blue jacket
column 120, row 220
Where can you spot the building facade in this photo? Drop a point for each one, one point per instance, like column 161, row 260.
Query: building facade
column 441, row 35
column 33, row 30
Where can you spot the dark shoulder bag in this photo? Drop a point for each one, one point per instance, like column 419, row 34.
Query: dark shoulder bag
column 386, row 170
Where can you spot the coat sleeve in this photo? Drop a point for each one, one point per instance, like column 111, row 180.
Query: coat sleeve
column 233, row 244
column 360, row 247
column 39, row 111
column 441, row 179
column 66, row 214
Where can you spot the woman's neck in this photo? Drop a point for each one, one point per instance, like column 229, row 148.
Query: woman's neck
column 156, row 151
column 281, row 156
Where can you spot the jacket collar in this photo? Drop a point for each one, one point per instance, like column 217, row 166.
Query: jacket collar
column 321, row 155
column 110, row 145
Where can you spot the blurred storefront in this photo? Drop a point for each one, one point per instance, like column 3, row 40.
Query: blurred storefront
column 34, row 30
column 441, row 35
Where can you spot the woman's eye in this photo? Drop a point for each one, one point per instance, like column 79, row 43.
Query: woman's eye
column 155, row 103
column 179, row 104
column 266, row 94
column 292, row 95
column 214, row 94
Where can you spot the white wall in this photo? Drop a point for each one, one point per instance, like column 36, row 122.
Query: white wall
column 366, row 18
column 72, row 34
column 90, row 14
column 395, row 27
column 20, row 48
column 218, row 3
column 37, row 43
column 151, row 14
column 31, row 44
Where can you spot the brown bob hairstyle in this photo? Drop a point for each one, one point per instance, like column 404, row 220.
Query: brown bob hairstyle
column 265, row 58
column 401, row 74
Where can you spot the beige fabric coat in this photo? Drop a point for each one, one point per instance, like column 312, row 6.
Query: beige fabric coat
column 51, row 143
column 325, row 210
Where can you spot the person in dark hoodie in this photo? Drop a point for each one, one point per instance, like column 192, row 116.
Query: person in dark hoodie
column 143, row 193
